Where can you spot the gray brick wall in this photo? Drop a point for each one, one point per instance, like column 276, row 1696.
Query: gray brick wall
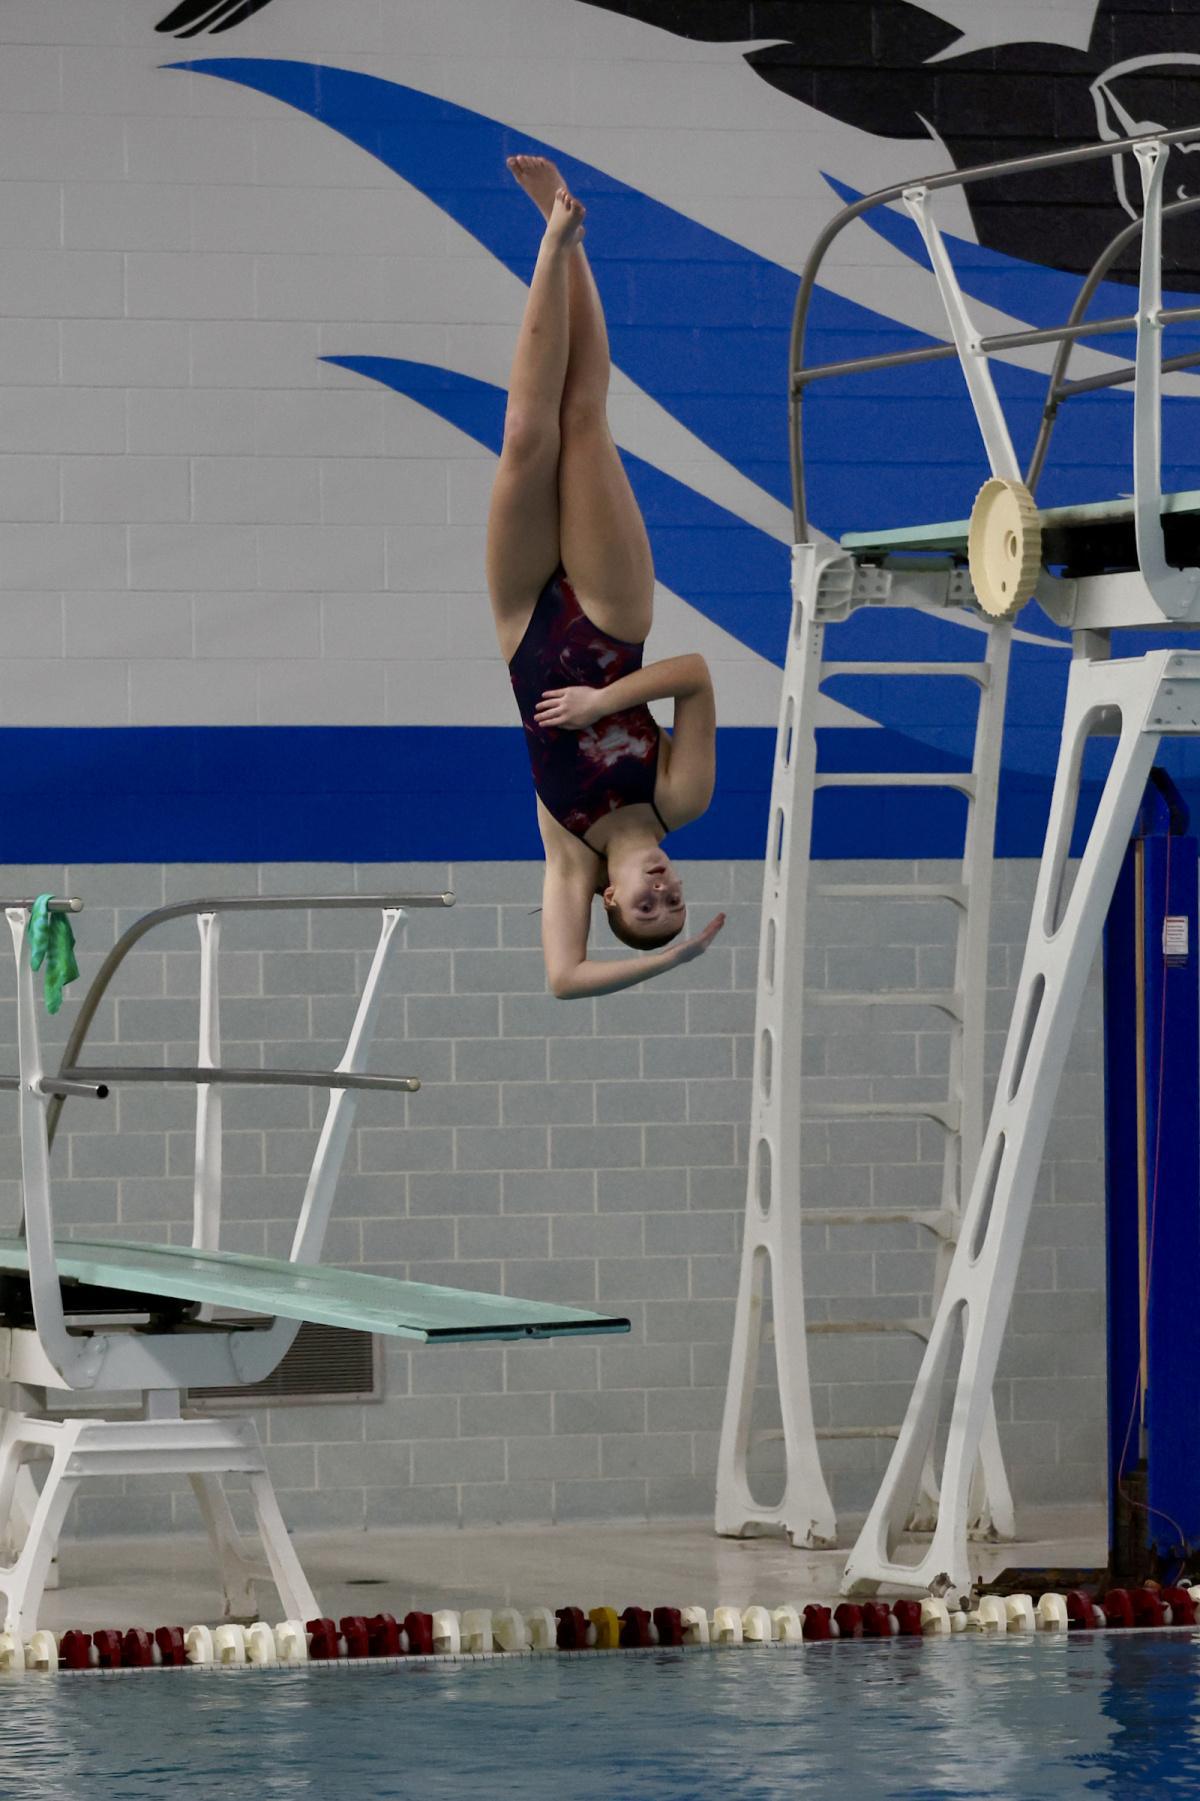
column 589, row 1151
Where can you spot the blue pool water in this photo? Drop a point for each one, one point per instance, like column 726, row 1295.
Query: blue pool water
column 1026, row 1720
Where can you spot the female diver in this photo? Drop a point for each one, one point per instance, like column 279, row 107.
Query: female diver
column 572, row 588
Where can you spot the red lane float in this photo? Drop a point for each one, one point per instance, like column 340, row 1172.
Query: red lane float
column 418, row 1629
column 572, row 1628
column 1183, row 1608
column 1147, row 1607
column 107, row 1645
column 1081, row 1613
column 75, row 1650
column 849, row 1620
column 137, row 1649
column 636, row 1633
column 818, row 1623
column 383, row 1636
column 1118, row 1607
column 878, row 1620
column 669, row 1624
column 171, row 1647
column 353, row 1630
column 322, row 1640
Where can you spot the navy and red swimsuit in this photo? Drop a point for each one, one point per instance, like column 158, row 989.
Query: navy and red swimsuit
column 581, row 776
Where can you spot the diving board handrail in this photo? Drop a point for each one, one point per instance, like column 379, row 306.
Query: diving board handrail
column 244, row 903
column 800, row 377
column 96, row 1082
column 82, row 1077
column 56, row 904
column 1058, row 388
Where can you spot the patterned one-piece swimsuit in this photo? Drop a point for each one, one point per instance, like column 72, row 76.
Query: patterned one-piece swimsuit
column 581, row 776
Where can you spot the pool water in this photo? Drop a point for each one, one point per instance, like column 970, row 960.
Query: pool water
column 1023, row 1719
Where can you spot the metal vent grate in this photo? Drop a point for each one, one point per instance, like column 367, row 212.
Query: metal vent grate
column 325, row 1363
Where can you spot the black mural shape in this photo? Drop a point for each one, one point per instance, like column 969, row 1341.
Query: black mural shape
column 191, row 17
column 867, row 64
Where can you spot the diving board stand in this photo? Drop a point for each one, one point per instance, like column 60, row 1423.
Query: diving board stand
column 138, row 1323
column 1120, row 563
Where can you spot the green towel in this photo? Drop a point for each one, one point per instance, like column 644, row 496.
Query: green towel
column 52, row 942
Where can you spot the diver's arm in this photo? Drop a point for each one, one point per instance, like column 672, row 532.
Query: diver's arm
column 688, row 760
column 676, row 678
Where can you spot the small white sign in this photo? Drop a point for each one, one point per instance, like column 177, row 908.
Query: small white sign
column 1175, row 939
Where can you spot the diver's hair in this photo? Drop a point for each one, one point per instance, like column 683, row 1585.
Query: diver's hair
column 639, row 941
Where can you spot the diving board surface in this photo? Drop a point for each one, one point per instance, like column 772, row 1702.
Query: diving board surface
column 952, row 535
column 354, row 1299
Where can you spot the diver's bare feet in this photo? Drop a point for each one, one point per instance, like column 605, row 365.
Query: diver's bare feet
column 564, row 227
column 539, row 178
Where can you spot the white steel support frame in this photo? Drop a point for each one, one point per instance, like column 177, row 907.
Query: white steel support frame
column 771, row 1241
column 1154, row 695
column 991, row 1507
column 157, row 1366
column 826, row 585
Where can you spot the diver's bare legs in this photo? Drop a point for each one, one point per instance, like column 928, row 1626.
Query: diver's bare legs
column 588, row 365
column 602, row 538
column 523, row 538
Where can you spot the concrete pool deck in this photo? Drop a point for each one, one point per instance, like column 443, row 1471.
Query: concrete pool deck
column 169, row 1580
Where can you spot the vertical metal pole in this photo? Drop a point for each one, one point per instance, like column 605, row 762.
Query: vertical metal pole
column 206, row 1192
column 1152, row 1167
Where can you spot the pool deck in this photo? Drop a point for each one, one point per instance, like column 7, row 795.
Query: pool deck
column 155, row 1581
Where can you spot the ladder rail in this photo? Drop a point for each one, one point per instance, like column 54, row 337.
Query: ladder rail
column 771, row 1240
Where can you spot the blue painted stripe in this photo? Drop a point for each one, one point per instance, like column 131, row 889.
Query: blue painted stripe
column 229, row 794
column 287, row 793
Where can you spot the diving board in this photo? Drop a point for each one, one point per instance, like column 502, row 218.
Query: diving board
column 953, row 536
column 1097, row 538
column 144, row 1324
column 352, row 1299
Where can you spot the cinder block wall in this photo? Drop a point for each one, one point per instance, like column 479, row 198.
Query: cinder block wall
column 204, row 524
column 593, row 1152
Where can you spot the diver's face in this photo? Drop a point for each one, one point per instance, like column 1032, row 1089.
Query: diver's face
column 650, row 896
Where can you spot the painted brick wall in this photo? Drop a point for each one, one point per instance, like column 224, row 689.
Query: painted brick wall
column 589, row 1152
column 204, row 525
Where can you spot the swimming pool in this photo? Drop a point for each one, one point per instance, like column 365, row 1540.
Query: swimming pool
column 1023, row 1719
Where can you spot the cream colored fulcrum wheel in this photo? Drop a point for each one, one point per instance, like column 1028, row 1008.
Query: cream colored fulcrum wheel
column 1004, row 547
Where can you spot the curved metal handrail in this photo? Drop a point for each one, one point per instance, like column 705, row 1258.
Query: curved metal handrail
column 798, row 377
column 86, row 1077
column 255, row 903
column 1056, row 389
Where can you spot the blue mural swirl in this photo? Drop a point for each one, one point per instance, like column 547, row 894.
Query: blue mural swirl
column 701, row 324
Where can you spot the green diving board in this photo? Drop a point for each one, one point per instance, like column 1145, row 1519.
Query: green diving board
column 952, row 536
column 329, row 1296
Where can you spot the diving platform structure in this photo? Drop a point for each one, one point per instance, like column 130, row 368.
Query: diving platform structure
column 127, row 1328
column 1095, row 569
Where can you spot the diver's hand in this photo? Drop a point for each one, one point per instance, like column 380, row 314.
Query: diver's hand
column 570, row 709
column 691, row 948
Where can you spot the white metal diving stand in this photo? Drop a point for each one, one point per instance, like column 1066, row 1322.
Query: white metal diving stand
column 1114, row 571
column 132, row 1326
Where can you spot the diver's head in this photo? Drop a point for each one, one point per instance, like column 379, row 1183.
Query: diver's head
column 644, row 898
